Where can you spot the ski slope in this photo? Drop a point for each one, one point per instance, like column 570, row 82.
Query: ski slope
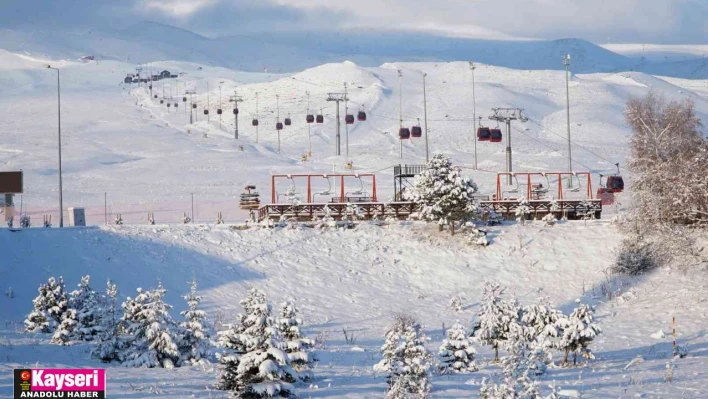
column 125, row 152
column 355, row 280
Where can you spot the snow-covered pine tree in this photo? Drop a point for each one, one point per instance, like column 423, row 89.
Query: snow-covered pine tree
column 194, row 344
column 457, row 355
column 499, row 320
column 89, row 306
column 391, row 350
column 254, row 365
column 109, row 338
column 150, row 331
column 49, row 307
column 65, row 331
column 539, row 324
column 577, row 332
column 522, row 211
column 297, row 347
column 413, row 369
column 445, row 195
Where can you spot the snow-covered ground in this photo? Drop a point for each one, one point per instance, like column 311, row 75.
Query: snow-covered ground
column 355, row 280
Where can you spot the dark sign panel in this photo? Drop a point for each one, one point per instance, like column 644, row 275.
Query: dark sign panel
column 11, row 182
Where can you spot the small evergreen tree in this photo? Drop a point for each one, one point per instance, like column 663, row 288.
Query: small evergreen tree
column 253, row 362
column 413, row 371
column 391, row 349
column 109, row 340
column 150, row 331
column 498, row 319
column 578, row 331
column 89, row 306
column 297, row 346
column 539, row 324
column 49, row 307
column 444, row 193
column 457, row 355
column 195, row 343
column 65, row 331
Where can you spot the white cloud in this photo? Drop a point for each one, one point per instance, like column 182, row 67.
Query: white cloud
column 179, row 9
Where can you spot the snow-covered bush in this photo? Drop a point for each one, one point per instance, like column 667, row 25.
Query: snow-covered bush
column 549, row 219
column 253, row 363
column 444, row 194
column 457, row 354
column 498, row 319
column 49, row 307
column 352, row 213
column 634, row 256
column 297, row 346
column 194, row 343
column 150, row 331
column 455, row 303
column 478, row 237
column 326, row 221
column 109, row 341
column 577, row 333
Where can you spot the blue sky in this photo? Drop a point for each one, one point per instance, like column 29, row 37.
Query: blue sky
column 600, row 21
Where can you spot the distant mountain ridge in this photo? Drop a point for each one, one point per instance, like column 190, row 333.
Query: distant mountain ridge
column 296, row 51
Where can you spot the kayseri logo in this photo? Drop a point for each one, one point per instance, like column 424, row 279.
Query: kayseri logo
column 60, row 383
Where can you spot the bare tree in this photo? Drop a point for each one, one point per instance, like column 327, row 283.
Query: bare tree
column 669, row 165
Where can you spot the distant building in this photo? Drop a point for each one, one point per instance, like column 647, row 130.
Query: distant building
column 165, row 75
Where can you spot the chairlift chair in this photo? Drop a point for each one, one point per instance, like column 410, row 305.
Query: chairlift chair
column 360, row 191
column 328, row 191
column 292, row 190
column 511, row 189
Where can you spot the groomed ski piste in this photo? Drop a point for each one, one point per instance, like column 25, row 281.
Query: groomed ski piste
column 123, row 145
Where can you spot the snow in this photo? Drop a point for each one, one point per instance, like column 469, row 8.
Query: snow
column 359, row 278
column 119, row 142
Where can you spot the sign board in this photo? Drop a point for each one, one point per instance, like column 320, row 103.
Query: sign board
column 11, row 182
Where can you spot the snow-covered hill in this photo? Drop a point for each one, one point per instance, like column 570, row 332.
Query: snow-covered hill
column 355, row 280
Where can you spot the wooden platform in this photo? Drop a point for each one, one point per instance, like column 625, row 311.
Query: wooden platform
column 571, row 209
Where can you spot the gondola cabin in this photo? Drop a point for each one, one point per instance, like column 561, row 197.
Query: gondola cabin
column 361, row 116
column 416, row 131
column 349, row 119
column 254, row 122
column 495, row 135
column 404, row 133
column 320, row 118
column 484, row 134
column 288, row 122
column 310, row 118
column 279, row 126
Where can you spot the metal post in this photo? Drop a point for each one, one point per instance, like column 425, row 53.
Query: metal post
column 346, row 126
column 222, row 111
column 566, row 62
column 277, row 102
column 61, row 190
column 474, row 115
column 508, row 150
column 192, row 207
column 425, row 119
column 309, row 126
column 208, row 117
column 338, row 139
column 400, row 111
column 257, row 117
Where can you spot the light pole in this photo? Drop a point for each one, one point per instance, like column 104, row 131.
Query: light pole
column 309, row 126
column 346, row 126
column 566, row 63
column 277, row 105
column 400, row 110
column 425, row 119
column 256, row 117
column 61, row 191
column 474, row 115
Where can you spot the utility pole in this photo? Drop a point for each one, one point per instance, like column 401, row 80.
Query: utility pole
column 507, row 115
column 277, row 105
column 61, row 190
column 566, row 63
column 208, row 118
column 235, row 99
column 425, row 119
column 220, row 105
column 309, row 126
column 337, row 97
column 257, row 117
column 346, row 126
column 400, row 111
column 474, row 115
column 191, row 94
